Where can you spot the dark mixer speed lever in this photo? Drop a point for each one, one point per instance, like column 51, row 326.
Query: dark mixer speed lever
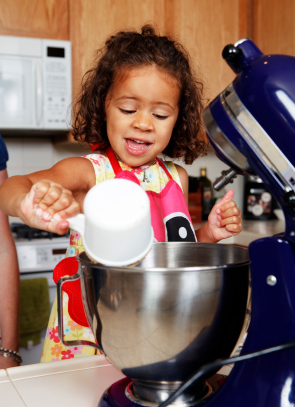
column 289, row 199
column 227, row 177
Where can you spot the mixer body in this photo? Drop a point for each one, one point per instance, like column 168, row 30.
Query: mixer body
column 251, row 126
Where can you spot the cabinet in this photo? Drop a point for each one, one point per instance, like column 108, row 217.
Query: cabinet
column 35, row 18
column 274, row 26
column 91, row 22
column 205, row 27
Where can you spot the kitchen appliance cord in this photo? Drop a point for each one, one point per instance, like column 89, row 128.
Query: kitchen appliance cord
column 217, row 364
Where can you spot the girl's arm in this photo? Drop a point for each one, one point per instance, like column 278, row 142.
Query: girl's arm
column 44, row 199
column 224, row 219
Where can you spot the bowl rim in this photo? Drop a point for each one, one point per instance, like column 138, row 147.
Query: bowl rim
column 136, row 269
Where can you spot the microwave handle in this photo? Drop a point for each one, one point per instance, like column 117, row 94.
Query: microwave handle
column 39, row 93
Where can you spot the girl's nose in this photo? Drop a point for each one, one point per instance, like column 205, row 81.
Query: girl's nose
column 143, row 122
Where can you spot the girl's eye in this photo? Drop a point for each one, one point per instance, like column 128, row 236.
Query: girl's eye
column 160, row 117
column 127, row 111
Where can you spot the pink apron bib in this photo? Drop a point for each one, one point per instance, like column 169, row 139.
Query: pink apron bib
column 171, row 220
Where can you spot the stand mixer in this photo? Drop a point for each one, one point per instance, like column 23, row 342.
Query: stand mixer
column 251, row 126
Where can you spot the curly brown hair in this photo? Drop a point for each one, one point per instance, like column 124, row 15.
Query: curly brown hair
column 128, row 49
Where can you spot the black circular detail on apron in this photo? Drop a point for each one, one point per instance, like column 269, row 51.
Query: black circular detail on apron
column 179, row 229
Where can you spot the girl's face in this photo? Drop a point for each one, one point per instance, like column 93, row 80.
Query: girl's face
column 141, row 111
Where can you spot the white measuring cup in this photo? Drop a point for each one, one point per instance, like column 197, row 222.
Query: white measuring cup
column 116, row 226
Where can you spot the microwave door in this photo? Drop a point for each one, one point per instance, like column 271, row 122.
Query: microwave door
column 20, row 86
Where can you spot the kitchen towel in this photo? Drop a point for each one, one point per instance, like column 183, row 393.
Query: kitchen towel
column 34, row 310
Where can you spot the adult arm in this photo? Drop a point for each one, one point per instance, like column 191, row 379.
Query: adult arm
column 9, row 289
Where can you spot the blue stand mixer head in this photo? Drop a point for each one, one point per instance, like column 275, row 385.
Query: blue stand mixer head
column 251, row 124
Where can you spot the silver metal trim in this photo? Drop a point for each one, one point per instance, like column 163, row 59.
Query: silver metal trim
column 163, row 394
column 174, row 246
column 258, row 139
column 241, row 41
column 60, row 283
column 230, row 152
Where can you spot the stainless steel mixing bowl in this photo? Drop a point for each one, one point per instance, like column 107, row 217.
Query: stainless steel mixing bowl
column 181, row 307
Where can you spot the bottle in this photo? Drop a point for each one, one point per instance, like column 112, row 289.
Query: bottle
column 207, row 194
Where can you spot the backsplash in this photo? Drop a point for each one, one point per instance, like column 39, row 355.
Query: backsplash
column 28, row 155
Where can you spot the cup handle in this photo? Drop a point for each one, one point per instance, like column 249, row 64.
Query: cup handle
column 60, row 282
column 77, row 223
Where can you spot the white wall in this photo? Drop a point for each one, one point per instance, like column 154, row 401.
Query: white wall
column 28, row 155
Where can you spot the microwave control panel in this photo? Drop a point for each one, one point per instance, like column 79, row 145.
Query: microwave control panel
column 57, row 84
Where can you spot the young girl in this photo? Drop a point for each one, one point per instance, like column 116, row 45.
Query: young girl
column 142, row 99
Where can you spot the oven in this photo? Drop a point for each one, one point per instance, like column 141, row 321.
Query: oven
column 38, row 253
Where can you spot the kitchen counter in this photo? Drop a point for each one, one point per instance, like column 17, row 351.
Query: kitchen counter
column 74, row 382
column 77, row 382
column 253, row 230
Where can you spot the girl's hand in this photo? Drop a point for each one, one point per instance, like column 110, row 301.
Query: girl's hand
column 224, row 221
column 47, row 205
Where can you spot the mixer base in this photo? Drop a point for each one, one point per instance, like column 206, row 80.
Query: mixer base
column 121, row 394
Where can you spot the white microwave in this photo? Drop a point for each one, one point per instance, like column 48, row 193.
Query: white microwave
column 35, row 84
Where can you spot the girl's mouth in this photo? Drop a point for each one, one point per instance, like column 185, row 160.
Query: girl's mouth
column 136, row 146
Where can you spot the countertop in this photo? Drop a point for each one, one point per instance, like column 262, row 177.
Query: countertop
column 75, row 383
column 253, row 230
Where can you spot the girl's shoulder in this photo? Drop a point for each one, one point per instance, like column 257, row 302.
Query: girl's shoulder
column 171, row 167
column 102, row 166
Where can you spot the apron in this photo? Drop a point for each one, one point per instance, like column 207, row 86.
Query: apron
column 170, row 217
